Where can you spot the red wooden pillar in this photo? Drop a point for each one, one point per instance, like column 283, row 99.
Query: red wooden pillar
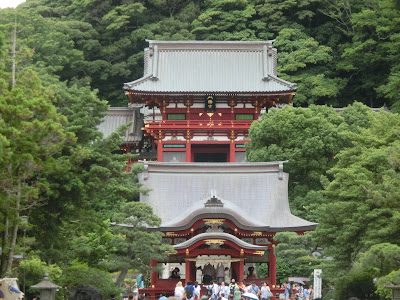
column 187, row 271
column 272, row 266
column 240, row 274
column 232, row 152
column 160, row 152
column 154, row 274
column 188, row 152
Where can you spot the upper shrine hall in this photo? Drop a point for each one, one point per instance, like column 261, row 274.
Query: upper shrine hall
column 205, row 95
column 193, row 108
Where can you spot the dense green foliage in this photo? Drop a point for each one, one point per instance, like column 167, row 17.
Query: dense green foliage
column 344, row 174
column 61, row 182
column 336, row 51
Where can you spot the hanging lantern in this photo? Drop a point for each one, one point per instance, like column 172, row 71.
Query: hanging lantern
column 210, row 103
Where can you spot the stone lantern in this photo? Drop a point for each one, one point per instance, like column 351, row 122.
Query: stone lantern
column 47, row 288
column 395, row 291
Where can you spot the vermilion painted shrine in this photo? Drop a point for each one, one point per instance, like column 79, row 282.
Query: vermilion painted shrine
column 195, row 104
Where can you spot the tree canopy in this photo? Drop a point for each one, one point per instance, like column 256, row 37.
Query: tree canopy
column 344, row 174
column 336, row 51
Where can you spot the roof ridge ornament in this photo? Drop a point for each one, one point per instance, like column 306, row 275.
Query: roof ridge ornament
column 280, row 176
column 213, row 201
column 155, row 64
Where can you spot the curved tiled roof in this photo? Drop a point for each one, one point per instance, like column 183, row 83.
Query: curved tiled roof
column 205, row 66
column 254, row 195
column 229, row 211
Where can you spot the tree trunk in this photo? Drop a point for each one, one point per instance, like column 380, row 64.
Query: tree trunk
column 13, row 54
column 121, row 277
column 4, row 247
column 50, row 259
column 13, row 238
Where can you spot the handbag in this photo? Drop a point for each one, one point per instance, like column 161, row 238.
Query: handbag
column 270, row 294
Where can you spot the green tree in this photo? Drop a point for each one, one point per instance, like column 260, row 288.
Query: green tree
column 377, row 265
column 92, row 185
column 78, row 274
column 225, row 20
column 362, row 207
column 35, row 134
column 30, row 272
column 308, row 138
column 384, row 258
column 298, row 252
column 304, row 61
column 135, row 247
column 393, row 278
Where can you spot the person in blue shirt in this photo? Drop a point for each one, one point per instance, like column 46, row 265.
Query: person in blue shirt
column 254, row 289
column 287, row 289
column 163, row 296
column 189, row 291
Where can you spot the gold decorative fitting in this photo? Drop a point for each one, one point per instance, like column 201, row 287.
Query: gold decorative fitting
column 256, row 233
column 241, row 252
column 170, row 234
column 236, row 229
column 273, row 245
column 153, row 286
column 214, row 241
column 187, row 251
column 214, row 221
column 191, row 229
column 259, row 252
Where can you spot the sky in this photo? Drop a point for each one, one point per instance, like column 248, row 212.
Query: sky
column 10, row 3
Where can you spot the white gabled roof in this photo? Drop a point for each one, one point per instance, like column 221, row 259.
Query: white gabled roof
column 210, row 66
column 254, row 195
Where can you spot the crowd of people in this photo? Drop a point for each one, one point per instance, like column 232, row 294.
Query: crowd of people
column 224, row 291
column 304, row 292
column 238, row 291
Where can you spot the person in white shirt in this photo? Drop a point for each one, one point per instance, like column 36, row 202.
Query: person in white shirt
column 179, row 290
column 197, row 290
column 214, row 288
column 223, row 290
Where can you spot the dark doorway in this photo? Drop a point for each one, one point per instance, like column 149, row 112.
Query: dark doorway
column 210, row 157
column 210, row 153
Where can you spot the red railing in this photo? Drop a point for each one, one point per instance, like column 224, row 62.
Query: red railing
column 183, row 124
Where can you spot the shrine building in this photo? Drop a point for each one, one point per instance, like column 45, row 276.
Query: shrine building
column 206, row 94
column 219, row 212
